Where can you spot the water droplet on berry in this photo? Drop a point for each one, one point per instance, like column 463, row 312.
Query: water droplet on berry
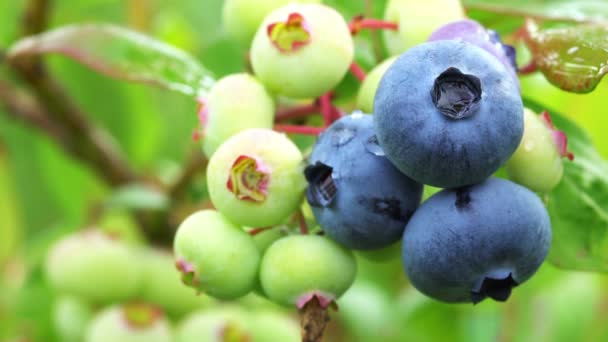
column 342, row 135
column 372, row 146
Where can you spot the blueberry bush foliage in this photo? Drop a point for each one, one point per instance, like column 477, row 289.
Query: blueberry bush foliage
column 191, row 170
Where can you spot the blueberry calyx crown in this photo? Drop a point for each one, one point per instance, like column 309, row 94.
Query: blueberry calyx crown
column 455, row 94
column 291, row 35
column 321, row 189
column 497, row 288
column 248, row 179
column 140, row 315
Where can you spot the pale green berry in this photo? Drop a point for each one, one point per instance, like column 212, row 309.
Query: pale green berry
column 255, row 178
column 71, row 315
column 537, row 162
column 302, row 50
column 417, row 20
column 216, row 256
column 367, row 91
column 94, row 266
column 298, row 266
column 162, row 285
column 241, row 18
column 226, row 324
column 273, row 326
column 235, row 103
column 129, row 323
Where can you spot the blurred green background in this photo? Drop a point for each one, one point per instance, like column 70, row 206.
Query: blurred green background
column 45, row 194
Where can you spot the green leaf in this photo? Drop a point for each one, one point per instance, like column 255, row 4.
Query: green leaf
column 564, row 10
column 578, row 206
column 123, row 54
column 574, row 58
column 10, row 216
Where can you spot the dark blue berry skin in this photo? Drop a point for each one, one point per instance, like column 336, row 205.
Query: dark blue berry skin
column 369, row 201
column 432, row 147
column 467, row 244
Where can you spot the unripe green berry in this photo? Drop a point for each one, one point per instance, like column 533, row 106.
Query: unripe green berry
column 273, row 326
column 94, row 266
column 129, row 323
column 417, row 20
column 71, row 316
column 241, row 18
column 367, row 91
column 537, row 162
column 226, row 324
column 302, row 50
column 235, row 103
column 298, row 266
column 162, row 285
column 215, row 256
column 255, row 178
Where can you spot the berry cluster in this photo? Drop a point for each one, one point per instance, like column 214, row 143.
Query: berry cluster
column 112, row 289
column 447, row 113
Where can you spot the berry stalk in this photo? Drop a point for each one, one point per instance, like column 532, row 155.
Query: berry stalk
column 302, row 222
column 528, row 68
column 326, row 108
column 314, row 320
column 357, row 71
column 297, row 112
column 305, row 130
column 359, row 22
column 256, row 231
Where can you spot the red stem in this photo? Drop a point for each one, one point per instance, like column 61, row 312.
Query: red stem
column 256, row 231
column 336, row 114
column 528, row 69
column 325, row 102
column 357, row 71
column 302, row 222
column 297, row 112
column 305, row 130
column 358, row 23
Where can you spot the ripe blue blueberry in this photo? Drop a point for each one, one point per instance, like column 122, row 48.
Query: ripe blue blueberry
column 466, row 244
column 357, row 196
column 448, row 114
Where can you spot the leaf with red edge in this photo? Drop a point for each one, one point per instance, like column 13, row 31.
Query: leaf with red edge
column 574, row 58
column 121, row 53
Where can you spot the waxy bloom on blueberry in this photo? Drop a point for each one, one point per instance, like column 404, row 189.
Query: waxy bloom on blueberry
column 466, row 244
column 358, row 197
column 447, row 114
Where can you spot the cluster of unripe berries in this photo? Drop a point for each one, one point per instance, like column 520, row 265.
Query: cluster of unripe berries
column 447, row 113
column 112, row 289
